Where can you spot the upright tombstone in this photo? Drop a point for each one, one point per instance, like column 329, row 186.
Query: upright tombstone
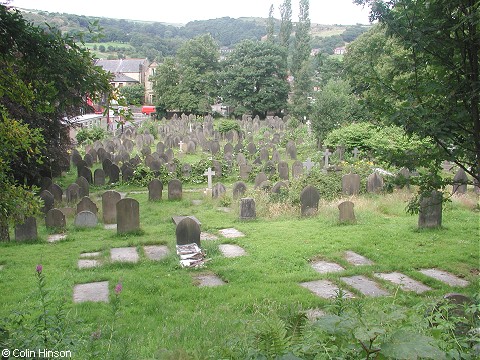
column 460, row 181
column 86, row 204
column 72, row 194
column 297, row 169
column 209, row 173
column 99, row 177
column 27, row 230
column 48, row 200
column 218, row 190
column 188, row 232
column 55, row 219
column 128, row 216
column 430, row 213
column 260, row 178
column 309, row 199
column 374, row 183
column 114, row 173
column 239, row 189
column 84, row 186
column 308, row 164
column 351, row 184
column 155, row 188
column 174, row 189
column 347, row 215
column 292, row 150
column 283, row 171
column 86, row 173
column 85, row 219
column 277, row 188
column 245, row 171
column 45, row 183
column 57, row 192
column 247, row 209
column 106, row 163
column 109, row 206
column 326, row 157
column 403, row 177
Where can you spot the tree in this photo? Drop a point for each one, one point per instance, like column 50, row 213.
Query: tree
column 303, row 47
column 436, row 91
column 285, row 24
column 254, row 78
column 271, row 25
column 133, row 94
column 302, row 92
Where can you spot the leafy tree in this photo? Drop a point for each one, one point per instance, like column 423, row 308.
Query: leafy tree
column 303, row 47
column 271, row 24
column 286, row 24
column 434, row 90
column 326, row 68
column 302, row 92
column 352, row 32
column 133, row 94
column 254, row 78
column 327, row 44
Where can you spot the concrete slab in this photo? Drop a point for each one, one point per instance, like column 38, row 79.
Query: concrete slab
column 231, row 233
column 406, row 283
column 224, row 209
column 177, row 219
column 155, row 252
column 325, row 267
column 444, row 277
column 88, row 263
column 125, row 254
column 325, row 289
column 56, row 237
column 208, row 280
column 91, row 254
column 232, row 251
column 357, row 259
column 365, row 285
column 110, row 226
column 96, row 292
column 207, row 236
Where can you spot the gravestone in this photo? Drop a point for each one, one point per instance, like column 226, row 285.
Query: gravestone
column 308, row 164
column 251, row 148
column 374, row 183
column 88, row 158
column 86, row 173
column 260, row 178
column 209, row 173
column 155, row 188
column 55, row 219
column 245, row 171
column 347, row 215
column 86, row 204
column 48, row 201
column 99, row 177
column 277, row 188
column 326, row 157
column 217, row 167
column 191, row 147
column 174, row 189
column 160, row 147
column 109, row 206
column 128, row 216
column 403, row 177
column 27, row 230
column 309, row 199
column 228, row 148
column 114, row 173
column 72, row 194
column 241, row 160
column 215, row 147
column 45, row 183
column 188, row 232
column 283, row 171
column 264, row 155
column 127, row 172
column 218, row 190
column 84, row 186
column 247, row 209
column 351, row 184
column 460, row 181
column 355, row 152
column 297, row 169
column 276, row 156
column 57, row 192
column 85, row 219
column 430, row 213
column 292, row 150
column 270, row 168
column 106, row 163
column 239, row 189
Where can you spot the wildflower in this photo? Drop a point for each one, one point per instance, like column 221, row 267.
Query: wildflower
column 39, row 268
column 118, row 288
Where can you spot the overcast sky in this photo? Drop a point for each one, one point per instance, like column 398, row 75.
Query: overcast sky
column 182, row 11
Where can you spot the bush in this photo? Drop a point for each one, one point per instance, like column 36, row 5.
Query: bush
column 90, row 135
column 227, row 125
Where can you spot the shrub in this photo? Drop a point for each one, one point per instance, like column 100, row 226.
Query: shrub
column 227, row 125
column 90, row 135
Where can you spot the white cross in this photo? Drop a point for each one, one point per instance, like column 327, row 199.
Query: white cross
column 190, row 126
column 309, row 164
column 209, row 173
column 355, row 153
column 326, row 154
column 181, row 145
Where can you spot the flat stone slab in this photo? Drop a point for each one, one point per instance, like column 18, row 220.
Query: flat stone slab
column 91, row 254
column 207, row 236
column 366, row 286
column 406, row 283
column 224, row 209
column 155, row 252
column 96, row 292
column 197, row 202
column 177, row 219
column 125, row 254
column 231, row 251
column 325, row 267
column 357, row 259
column 88, row 263
column 231, row 233
column 444, row 277
column 209, row 280
column 110, row 226
column 56, row 237
column 325, row 289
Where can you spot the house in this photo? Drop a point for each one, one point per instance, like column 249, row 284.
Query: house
column 340, row 50
column 128, row 72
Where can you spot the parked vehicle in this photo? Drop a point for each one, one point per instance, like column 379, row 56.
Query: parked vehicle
column 148, row 110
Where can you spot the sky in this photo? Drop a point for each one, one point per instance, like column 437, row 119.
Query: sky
column 326, row 12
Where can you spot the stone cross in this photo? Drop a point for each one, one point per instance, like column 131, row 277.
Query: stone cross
column 326, row 154
column 309, row 129
column 309, row 164
column 181, row 145
column 355, row 153
column 209, row 173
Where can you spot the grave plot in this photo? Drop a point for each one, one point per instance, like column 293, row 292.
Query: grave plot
column 357, row 259
column 444, row 277
column 364, row 285
column 89, row 260
column 207, row 236
column 208, row 280
column 95, row 292
column 156, row 252
column 124, row 254
column 231, row 251
column 406, row 283
column 56, row 237
column 325, row 289
column 325, row 267
column 231, row 233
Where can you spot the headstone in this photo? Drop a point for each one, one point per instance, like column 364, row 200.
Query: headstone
column 114, row 173
column 45, row 183
column 174, row 189
column 215, row 147
column 84, row 186
column 374, row 183
column 283, row 171
column 155, row 188
column 86, row 219
column 247, row 209
column 55, row 219
column 228, row 148
column 160, row 147
column 245, row 171
column 264, row 155
column 430, row 213
column 308, row 164
column 217, row 167
column 351, row 184
column 277, row 188
column 209, row 173
column 86, row 173
column 72, row 193
column 241, row 160
column 128, row 216
column 355, row 153
column 188, row 232
column 260, row 178
column 106, row 163
column 57, row 192
column 292, row 150
column 86, row 204
column 309, row 199
column 239, row 189
column 218, row 190
column 347, row 215
column 460, row 181
column 251, row 148
column 127, row 172
column 109, row 206
column 48, row 200
column 191, row 147
column 326, row 157
column 297, row 169
column 27, row 230
column 88, row 158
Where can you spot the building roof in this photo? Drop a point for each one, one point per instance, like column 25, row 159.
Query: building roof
column 119, row 77
column 122, row 65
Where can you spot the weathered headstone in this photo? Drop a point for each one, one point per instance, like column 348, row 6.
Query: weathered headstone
column 460, row 181
column 155, row 188
column 239, row 189
column 297, row 169
column 109, row 206
column 174, row 189
column 86, row 219
column 57, row 192
column 128, row 216
column 27, row 230
column 351, row 184
column 48, row 200
column 260, row 178
column 86, row 204
column 245, row 171
column 277, row 188
column 99, row 177
column 114, row 173
column 188, row 232
column 374, row 183
column 283, row 171
column 86, row 173
column 84, row 186
column 430, row 213
column 55, row 219
column 309, row 199
column 308, row 164
column 72, row 193
column 218, row 190
column 247, row 209
column 347, row 214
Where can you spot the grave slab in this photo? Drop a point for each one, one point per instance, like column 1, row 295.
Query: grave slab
column 325, row 267
column 406, row 283
column 56, row 237
column 325, row 289
column 363, row 284
column 231, row 251
column 209, row 280
column 207, row 236
column 155, row 252
column 90, row 254
column 445, row 277
column 231, row 233
column 110, row 226
column 88, row 263
column 124, row 254
column 177, row 219
column 197, row 202
column 357, row 259
column 96, row 292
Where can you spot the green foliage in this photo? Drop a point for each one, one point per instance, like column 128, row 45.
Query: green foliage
column 227, row 125
column 133, row 94
column 149, row 125
column 90, row 135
